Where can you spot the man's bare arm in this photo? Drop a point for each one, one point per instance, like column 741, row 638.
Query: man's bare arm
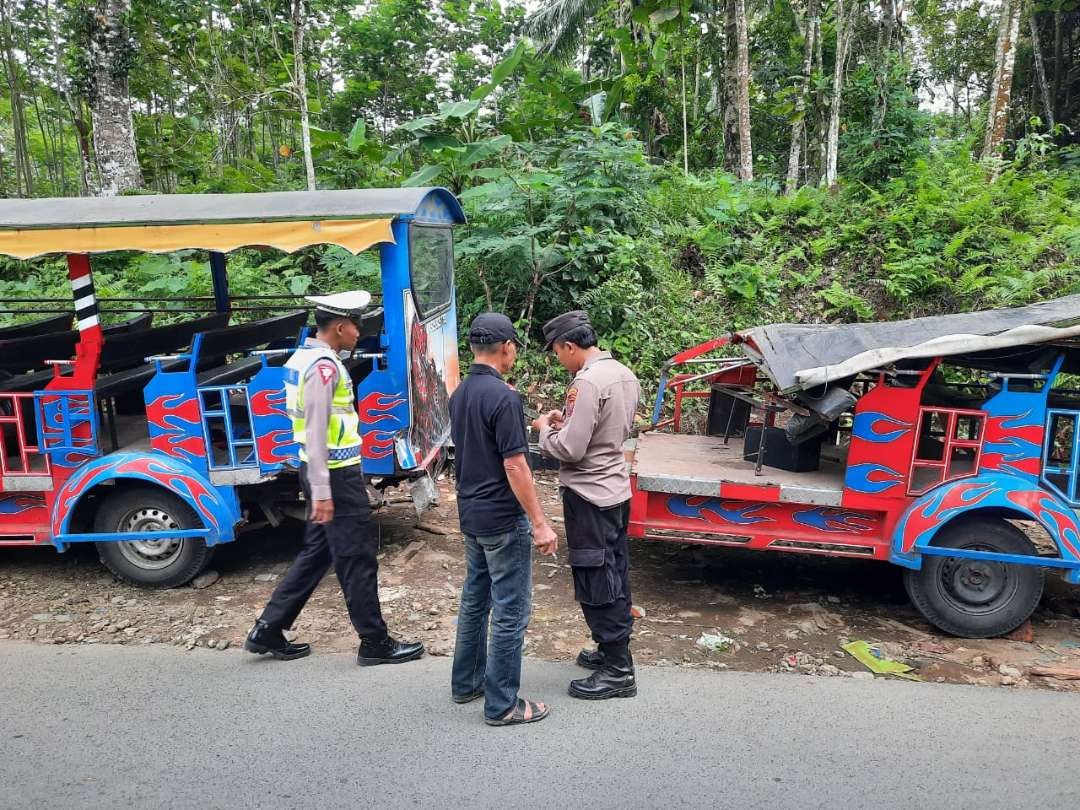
column 520, row 477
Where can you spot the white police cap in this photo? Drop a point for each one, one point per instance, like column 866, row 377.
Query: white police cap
column 349, row 304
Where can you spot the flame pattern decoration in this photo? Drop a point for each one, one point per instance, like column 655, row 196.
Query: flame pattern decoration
column 829, row 519
column 377, row 406
column 269, row 403
column 377, row 444
column 993, row 490
column 1058, row 519
column 1013, row 442
column 276, row 446
column 938, row 507
column 17, row 504
column 879, row 428
column 872, row 479
column 712, row 510
column 57, row 433
column 169, row 473
column 174, row 421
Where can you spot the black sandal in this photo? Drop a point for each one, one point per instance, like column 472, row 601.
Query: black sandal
column 479, row 693
column 517, row 717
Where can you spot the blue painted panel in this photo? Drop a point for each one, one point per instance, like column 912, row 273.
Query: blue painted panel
column 439, row 207
column 174, row 418
column 270, row 421
column 920, row 523
column 217, row 507
column 67, row 427
column 383, row 395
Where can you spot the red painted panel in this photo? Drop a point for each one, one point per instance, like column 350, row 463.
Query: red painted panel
column 882, row 441
column 841, row 532
column 750, row 492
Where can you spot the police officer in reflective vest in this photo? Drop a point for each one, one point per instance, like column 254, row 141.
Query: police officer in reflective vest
column 587, row 437
column 319, row 393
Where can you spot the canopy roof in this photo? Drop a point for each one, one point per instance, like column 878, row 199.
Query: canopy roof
column 158, row 223
column 798, row 357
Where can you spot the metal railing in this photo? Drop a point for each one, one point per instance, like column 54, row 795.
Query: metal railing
column 31, row 461
column 240, row 450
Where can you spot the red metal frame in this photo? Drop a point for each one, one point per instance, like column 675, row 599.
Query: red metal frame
column 15, row 403
column 734, row 376
column 954, row 415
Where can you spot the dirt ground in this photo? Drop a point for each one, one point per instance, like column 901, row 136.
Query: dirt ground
column 773, row 612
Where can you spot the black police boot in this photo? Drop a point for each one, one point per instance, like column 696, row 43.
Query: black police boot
column 615, row 679
column 387, row 650
column 590, row 659
column 265, row 639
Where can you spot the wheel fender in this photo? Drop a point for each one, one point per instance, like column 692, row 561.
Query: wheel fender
column 926, row 515
column 217, row 507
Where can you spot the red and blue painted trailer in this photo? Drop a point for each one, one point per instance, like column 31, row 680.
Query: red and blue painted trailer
column 949, row 446
column 158, row 443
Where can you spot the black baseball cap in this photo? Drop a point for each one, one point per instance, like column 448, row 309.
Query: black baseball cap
column 492, row 327
column 561, row 324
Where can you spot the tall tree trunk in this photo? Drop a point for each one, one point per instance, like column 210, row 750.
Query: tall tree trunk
column 682, row 88
column 1059, row 54
column 954, row 127
column 845, row 23
column 697, row 85
column 24, row 173
column 816, row 168
column 83, row 136
column 730, row 114
column 61, row 91
column 1001, row 88
column 300, row 82
column 1040, row 74
column 885, row 47
column 110, row 103
column 799, row 125
column 742, row 92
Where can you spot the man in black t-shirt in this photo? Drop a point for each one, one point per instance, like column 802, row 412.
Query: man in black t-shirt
column 502, row 520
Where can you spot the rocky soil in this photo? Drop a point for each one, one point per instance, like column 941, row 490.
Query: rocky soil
column 700, row 607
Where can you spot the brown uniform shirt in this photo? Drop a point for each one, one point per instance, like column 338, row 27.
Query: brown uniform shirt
column 598, row 417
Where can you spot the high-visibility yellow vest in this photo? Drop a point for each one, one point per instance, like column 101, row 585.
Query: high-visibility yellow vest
column 343, row 428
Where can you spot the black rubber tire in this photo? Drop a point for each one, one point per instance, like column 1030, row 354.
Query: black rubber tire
column 1016, row 589
column 180, row 565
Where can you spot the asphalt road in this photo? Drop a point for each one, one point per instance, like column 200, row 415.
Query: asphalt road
column 113, row 727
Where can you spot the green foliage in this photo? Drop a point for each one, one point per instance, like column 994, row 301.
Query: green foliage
column 567, row 151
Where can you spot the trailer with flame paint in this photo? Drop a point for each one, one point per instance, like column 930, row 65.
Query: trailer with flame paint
column 949, row 446
column 158, row 442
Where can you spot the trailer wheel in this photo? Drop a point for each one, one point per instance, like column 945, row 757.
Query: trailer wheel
column 975, row 598
column 150, row 563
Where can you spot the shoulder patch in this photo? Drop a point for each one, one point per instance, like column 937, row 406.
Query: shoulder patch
column 325, row 371
column 571, row 398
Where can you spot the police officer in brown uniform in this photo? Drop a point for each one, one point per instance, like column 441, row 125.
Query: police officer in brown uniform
column 587, row 437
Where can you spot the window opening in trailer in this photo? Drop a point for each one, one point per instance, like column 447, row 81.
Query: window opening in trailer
column 1060, row 471
column 949, row 444
column 431, row 258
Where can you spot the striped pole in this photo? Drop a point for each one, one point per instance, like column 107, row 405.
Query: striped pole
column 91, row 339
column 82, row 289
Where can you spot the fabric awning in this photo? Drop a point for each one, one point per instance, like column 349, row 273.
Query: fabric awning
column 947, row 346
column 354, row 235
column 802, row 356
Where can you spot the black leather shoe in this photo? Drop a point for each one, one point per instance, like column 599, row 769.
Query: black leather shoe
column 615, row 679
column 265, row 639
column 388, row 651
column 590, row 659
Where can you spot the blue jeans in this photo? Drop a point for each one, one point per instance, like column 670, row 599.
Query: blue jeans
column 498, row 582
